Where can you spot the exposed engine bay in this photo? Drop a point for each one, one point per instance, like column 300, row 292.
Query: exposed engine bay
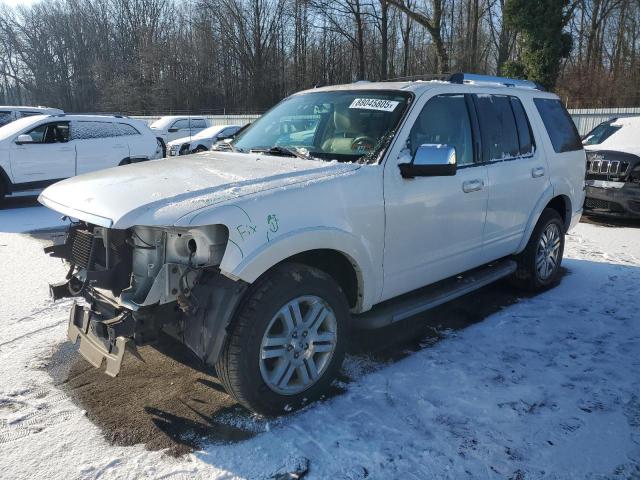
column 138, row 282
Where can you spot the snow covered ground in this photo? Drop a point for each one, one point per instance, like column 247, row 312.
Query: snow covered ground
column 22, row 213
column 548, row 387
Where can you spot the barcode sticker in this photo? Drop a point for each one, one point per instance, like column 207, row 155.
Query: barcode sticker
column 374, row 104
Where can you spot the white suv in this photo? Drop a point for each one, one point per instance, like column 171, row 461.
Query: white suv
column 40, row 150
column 172, row 127
column 345, row 206
column 10, row 113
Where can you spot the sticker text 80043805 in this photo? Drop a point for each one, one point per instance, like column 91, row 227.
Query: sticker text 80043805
column 374, row 104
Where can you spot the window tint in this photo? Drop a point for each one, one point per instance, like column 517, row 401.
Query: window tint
column 198, row 123
column 497, row 127
column 561, row 129
column 525, row 138
column 5, row 117
column 29, row 114
column 126, row 129
column 90, row 130
column 50, row 133
column 444, row 120
column 180, row 124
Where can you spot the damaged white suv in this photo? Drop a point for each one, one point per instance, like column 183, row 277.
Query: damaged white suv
column 346, row 206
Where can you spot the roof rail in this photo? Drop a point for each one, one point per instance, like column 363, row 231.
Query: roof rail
column 475, row 79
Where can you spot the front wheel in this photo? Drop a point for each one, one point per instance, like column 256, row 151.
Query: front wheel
column 287, row 342
column 539, row 263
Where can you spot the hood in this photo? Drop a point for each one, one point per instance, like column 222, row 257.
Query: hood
column 180, row 141
column 160, row 192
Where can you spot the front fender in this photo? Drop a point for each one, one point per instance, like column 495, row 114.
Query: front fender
column 261, row 259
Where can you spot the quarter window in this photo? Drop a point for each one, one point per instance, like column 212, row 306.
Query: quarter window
column 557, row 121
column 444, row 120
column 498, row 127
column 126, row 129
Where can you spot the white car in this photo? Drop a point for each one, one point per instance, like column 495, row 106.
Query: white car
column 202, row 141
column 10, row 113
column 382, row 201
column 172, row 127
column 40, row 150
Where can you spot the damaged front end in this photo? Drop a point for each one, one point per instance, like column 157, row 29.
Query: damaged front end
column 138, row 282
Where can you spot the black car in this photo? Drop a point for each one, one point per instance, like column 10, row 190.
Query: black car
column 613, row 168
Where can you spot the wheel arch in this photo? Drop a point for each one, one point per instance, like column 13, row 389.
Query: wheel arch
column 333, row 251
column 560, row 203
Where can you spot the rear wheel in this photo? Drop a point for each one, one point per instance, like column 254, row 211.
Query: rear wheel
column 539, row 263
column 287, row 341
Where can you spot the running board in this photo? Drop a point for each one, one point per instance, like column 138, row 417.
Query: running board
column 426, row 298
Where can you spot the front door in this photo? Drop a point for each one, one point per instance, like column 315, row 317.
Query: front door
column 434, row 225
column 49, row 156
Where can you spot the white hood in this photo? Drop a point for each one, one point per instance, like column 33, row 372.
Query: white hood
column 160, row 192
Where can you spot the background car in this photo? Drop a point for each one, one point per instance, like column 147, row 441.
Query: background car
column 613, row 168
column 40, row 150
column 10, row 113
column 202, row 141
column 178, row 126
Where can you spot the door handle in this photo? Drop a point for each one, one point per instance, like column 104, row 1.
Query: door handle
column 472, row 186
column 537, row 172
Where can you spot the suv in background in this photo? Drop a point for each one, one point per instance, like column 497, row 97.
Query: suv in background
column 202, row 141
column 172, row 127
column 9, row 114
column 344, row 206
column 613, row 168
column 39, row 150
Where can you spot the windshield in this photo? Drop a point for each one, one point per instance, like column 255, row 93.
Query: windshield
column 15, row 127
column 336, row 125
column 601, row 132
column 209, row 132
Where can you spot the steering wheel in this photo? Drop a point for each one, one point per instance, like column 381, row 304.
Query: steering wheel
column 363, row 144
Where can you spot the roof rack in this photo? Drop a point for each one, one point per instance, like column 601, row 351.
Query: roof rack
column 472, row 78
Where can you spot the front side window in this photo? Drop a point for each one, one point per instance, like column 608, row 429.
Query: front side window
column 180, row 124
column 334, row 125
column 444, row 120
column 50, row 133
column 87, row 130
column 557, row 121
column 498, row 127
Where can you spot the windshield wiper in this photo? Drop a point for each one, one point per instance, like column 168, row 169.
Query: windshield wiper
column 284, row 151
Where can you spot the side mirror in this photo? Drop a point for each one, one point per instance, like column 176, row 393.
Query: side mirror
column 24, row 138
column 172, row 130
column 431, row 161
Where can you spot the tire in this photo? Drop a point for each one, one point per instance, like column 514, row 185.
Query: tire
column 161, row 147
column 258, row 330
column 3, row 191
column 199, row 149
column 528, row 276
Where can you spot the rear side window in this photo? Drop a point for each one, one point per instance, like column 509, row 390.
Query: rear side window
column 561, row 129
column 525, row 137
column 126, row 129
column 90, row 130
column 498, row 127
column 198, row 123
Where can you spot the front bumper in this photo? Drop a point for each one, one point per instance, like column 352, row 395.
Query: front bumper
column 82, row 325
column 617, row 202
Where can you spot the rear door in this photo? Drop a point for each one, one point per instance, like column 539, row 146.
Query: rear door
column 98, row 145
column 50, row 156
column 518, row 171
column 139, row 145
